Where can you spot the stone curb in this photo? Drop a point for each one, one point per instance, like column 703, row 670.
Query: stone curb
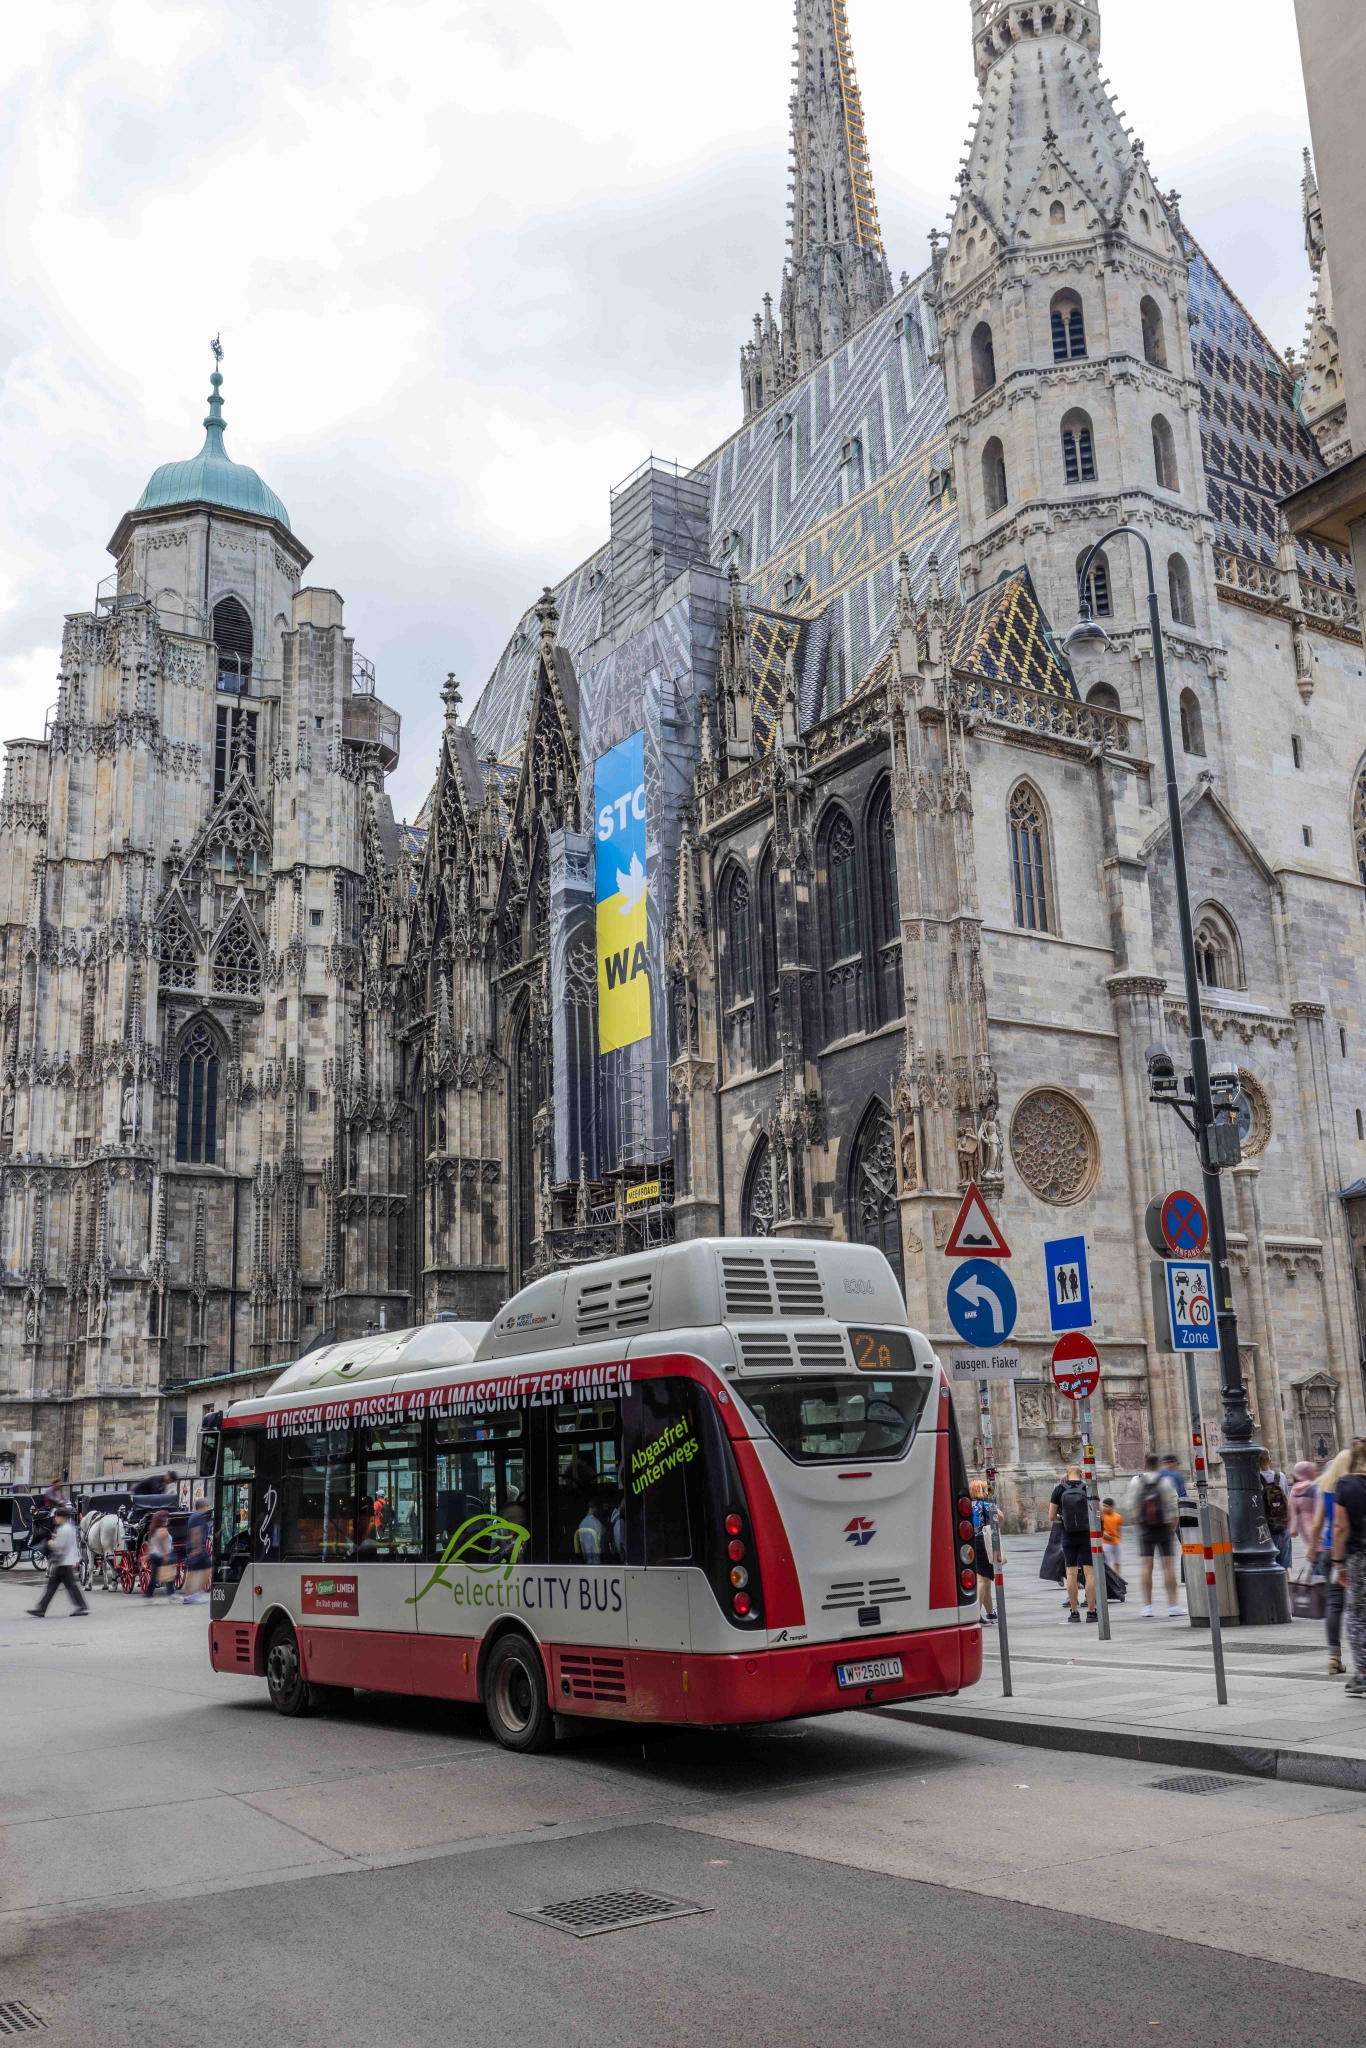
column 1198, row 1752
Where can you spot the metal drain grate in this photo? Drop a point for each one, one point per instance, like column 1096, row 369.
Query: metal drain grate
column 18, row 2018
column 1194, row 1781
column 608, row 1912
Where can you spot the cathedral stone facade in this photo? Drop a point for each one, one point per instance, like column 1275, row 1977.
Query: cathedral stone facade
column 910, row 906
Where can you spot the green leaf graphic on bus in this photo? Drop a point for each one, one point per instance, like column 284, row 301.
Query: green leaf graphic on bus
column 485, row 1543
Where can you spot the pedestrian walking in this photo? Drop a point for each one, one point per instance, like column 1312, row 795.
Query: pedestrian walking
column 1321, row 1552
column 1111, row 1523
column 1171, row 1469
column 160, row 1556
column 63, row 1555
column 1068, row 1505
column 986, row 1580
column 196, row 1558
column 1153, row 1507
column 1276, row 1505
column 1303, row 1489
column 1349, row 1550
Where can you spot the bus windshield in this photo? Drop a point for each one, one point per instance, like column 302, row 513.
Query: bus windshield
column 815, row 1420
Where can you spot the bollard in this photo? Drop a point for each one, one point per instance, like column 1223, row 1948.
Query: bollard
column 994, row 1538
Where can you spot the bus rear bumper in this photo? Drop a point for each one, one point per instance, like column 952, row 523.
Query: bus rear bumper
column 781, row 1685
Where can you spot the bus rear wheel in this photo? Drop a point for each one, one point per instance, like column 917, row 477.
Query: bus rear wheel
column 515, row 1696
column 290, row 1692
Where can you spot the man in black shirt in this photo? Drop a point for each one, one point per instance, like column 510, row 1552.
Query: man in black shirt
column 1068, row 1504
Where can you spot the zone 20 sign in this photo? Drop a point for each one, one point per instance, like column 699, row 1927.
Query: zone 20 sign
column 621, row 872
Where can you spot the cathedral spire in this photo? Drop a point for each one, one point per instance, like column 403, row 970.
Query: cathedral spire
column 836, row 276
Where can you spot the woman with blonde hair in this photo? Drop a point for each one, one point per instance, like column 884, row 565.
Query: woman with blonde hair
column 1349, row 1548
column 986, row 1583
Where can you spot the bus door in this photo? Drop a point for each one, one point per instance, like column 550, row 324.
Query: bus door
column 235, row 1533
column 665, row 1531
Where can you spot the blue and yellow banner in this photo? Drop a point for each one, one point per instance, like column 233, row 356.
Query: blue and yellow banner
column 622, row 874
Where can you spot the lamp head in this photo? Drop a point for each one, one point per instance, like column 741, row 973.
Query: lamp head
column 1088, row 632
column 1161, row 1070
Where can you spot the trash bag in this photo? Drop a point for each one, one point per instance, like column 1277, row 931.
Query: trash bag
column 1052, row 1566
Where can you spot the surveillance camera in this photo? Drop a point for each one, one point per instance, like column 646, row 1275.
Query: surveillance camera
column 1224, row 1078
column 1160, row 1065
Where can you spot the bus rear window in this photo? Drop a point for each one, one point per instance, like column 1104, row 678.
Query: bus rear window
column 815, row 1420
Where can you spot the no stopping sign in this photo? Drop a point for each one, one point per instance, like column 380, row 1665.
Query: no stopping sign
column 1076, row 1366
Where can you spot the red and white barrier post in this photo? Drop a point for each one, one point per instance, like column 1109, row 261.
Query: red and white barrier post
column 1216, row 1637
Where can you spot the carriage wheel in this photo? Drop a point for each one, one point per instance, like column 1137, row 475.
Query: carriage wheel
column 144, row 1572
column 125, row 1573
column 8, row 1560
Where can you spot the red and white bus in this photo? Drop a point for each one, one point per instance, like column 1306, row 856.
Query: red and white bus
column 715, row 1483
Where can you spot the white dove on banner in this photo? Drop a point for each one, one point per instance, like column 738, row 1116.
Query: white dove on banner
column 631, row 887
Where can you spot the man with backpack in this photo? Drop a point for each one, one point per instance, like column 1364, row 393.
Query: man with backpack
column 1276, row 1503
column 1068, row 1504
column 1154, row 1512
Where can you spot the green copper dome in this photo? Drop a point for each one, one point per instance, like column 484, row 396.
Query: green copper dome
column 212, row 477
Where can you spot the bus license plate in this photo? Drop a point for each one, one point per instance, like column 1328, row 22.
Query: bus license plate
column 876, row 1671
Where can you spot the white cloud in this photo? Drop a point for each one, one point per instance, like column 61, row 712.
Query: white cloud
column 472, row 260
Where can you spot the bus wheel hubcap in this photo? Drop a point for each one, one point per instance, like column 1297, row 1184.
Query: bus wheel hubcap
column 514, row 1693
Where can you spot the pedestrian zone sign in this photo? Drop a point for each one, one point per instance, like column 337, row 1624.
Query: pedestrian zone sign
column 1190, row 1302
column 976, row 1234
column 1069, row 1284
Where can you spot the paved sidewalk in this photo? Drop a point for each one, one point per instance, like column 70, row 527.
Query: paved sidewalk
column 1149, row 1692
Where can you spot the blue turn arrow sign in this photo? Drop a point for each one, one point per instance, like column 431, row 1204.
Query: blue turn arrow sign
column 982, row 1305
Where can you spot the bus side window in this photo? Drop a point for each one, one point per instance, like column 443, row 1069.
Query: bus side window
column 664, row 1472
column 480, row 1495
column 586, row 1525
column 319, row 1486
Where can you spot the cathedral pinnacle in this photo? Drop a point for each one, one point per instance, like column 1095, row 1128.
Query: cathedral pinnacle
column 450, row 697
column 836, row 275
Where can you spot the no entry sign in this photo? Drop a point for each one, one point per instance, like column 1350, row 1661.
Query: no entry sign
column 1184, row 1223
column 1076, row 1366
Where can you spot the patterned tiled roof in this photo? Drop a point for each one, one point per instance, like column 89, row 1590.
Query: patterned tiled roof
column 1257, row 447
column 1002, row 636
column 771, row 636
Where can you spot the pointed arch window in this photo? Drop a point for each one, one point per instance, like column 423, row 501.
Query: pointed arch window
column 1179, row 591
column 891, row 1000
column 1359, row 826
column 232, row 639
column 1078, row 449
column 1097, row 590
column 1192, row 724
column 873, row 1215
column 1218, row 955
column 196, row 1115
column 179, row 957
column 1154, row 340
column 739, row 951
column 842, row 885
column 1164, row 456
column 1029, row 867
column 769, row 986
column 762, row 1205
column 983, row 359
column 236, row 962
column 994, row 492
column 1069, row 327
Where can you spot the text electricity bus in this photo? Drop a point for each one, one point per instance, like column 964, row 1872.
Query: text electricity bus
column 715, row 1483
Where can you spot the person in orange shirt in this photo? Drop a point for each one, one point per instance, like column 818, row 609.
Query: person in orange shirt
column 1111, row 1522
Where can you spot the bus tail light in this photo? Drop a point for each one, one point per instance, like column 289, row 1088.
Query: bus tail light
column 735, row 1550
column 739, row 1576
column 742, row 1603
column 968, row 1581
column 734, row 1524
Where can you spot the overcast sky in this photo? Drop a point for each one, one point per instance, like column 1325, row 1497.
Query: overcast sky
column 471, row 261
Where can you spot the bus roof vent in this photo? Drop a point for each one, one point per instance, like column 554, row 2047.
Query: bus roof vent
column 745, row 1277
column 799, row 1287
column 764, row 1350
column 619, row 1302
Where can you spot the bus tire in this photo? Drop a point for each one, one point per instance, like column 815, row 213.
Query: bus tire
column 290, row 1692
column 514, row 1695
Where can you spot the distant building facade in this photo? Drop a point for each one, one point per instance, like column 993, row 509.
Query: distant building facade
column 908, row 882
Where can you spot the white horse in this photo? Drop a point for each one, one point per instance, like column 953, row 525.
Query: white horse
column 103, row 1535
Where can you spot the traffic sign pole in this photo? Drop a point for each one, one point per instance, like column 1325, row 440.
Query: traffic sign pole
column 1216, row 1631
column 1102, row 1591
column 994, row 1537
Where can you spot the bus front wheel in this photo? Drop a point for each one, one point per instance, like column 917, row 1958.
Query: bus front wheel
column 515, row 1696
column 290, row 1692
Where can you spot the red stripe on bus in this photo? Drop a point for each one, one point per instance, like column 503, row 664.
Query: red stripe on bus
column 777, row 1569
column 943, row 1569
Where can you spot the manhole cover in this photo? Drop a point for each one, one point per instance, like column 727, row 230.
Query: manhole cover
column 1194, row 1781
column 18, row 2018
column 1269, row 1649
column 607, row 1912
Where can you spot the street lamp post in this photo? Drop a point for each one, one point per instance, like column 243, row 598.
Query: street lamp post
column 1263, row 1590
